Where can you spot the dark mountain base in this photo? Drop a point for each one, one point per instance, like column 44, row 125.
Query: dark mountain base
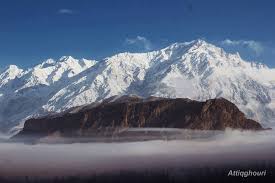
column 136, row 112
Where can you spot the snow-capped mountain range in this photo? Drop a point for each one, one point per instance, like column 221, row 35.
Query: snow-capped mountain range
column 196, row 70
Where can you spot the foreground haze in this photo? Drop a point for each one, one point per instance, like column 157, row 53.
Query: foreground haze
column 227, row 148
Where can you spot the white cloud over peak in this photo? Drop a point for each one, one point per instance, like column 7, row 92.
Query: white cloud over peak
column 140, row 41
column 65, row 11
column 255, row 46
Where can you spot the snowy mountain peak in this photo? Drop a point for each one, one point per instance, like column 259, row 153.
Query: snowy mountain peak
column 199, row 42
column 12, row 67
column 66, row 58
column 50, row 61
column 199, row 55
column 56, row 63
column 197, row 70
column 12, row 70
column 47, row 63
column 9, row 73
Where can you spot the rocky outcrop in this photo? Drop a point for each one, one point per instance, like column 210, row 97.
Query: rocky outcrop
column 132, row 111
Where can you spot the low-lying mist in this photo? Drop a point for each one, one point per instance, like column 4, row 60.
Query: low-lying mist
column 230, row 147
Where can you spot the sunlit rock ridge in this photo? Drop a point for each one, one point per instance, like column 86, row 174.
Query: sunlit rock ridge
column 197, row 70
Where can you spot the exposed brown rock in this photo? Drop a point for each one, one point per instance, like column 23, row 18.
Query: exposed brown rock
column 124, row 112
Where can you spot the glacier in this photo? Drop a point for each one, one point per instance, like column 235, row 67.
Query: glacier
column 197, row 70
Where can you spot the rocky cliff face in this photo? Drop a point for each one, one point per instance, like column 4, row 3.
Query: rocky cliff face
column 131, row 111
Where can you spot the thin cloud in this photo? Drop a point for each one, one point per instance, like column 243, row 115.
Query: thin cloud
column 59, row 160
column 65, row 11
column 257, row 51
column 255, row 46
column 140, row 41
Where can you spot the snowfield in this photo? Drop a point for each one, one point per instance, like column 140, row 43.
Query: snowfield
column 196, row 70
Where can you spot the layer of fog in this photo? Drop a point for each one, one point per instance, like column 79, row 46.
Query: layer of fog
column 88, row 158
column 4, row 137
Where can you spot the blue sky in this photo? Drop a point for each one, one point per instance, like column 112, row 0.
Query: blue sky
column 33, row 30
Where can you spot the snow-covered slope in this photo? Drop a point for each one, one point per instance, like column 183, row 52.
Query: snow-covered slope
column 23, row 92
column 9, row 73
column 197, row 70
